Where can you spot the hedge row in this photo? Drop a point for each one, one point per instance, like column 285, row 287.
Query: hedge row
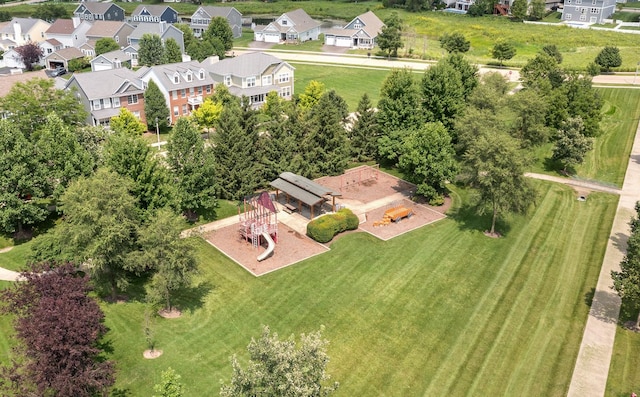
column 323, row 229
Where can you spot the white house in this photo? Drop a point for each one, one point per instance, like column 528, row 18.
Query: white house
column 291, row 27
column 361, row 32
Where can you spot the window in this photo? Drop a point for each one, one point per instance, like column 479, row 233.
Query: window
column 116, row 102
column 256, row 98
column 284, row 78
column 357, row 26
column 192, row 92
column 131, row 99
column 189, row 76
column 200, row 90
column 578, row 9
column 251, row 81
column 209, row 89
column 227, row 81
column 174, row 94
column 583, row 17
column 201, row 75
column 285, row 92
column 117, row 39
column 266, row 80
column 583, row 10
column 594, row 10
column 567, row 16
column 95, row 104
column 176, row 78
column 183, row 93
column 594, row 2
column 176, row 111
column 284, row 22
column 578, row 1
column 184, row 109
column 137, row 114
column 106, row 103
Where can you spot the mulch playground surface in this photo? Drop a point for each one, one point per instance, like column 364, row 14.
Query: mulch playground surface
column 293, row 247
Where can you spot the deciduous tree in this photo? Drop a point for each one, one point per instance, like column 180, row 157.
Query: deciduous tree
column 155, row 107
column 399, row 99
column 390, row 37
column 609, row 58
column 187, row 33
column 311, row 95
column 207, row 114
column 30, row 54
column 127, row 123
column 442, row 93
column 192, row 169
column 106, row 44
column 519, row 10
column 219, row 28
column 537, row 11
column 626, row 282
column 58, row 327
column 281, row 368
column 495, row 168
column 151, row 51
column 571, row 145
column 172, row 51
column 454, row 42
column 530, row 111
column 503, row 51
column 169, row 385
column 542, row 73
column 468, row 72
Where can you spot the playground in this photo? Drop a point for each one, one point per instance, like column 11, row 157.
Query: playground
column 267, row 235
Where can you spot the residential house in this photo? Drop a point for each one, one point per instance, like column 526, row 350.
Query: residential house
column 111, row 60
column 201, row 19
column 119, row 31
column 103, row 93
column 154, row 13
column 588, row 11
column 162, row 29
column 12, row 59
column 62, row 57
column 184, row 85
column 253, row 75
column 132, row 53
column 99, row 12
column 294, row 26
column 88, row 48
column 69, row 32
column 361, row 32
column 50, row 46
column 21, row 31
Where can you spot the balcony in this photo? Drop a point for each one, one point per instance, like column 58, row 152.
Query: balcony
column 195, row 100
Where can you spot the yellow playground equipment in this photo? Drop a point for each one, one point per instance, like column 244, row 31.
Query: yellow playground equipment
column 394, row 215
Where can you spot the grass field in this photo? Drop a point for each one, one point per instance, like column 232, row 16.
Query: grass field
column 607, row 162
column 458, row 313
column 623, row 373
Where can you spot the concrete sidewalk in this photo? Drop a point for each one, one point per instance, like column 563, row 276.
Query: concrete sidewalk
column 594, row 358
column 574, row 182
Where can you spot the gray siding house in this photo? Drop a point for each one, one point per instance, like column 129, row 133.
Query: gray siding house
column 361, row 32
column 154, row 13
column 294, row 26
column 162, row 29
column 201, row 19
column 99, row 12
column 588, row 11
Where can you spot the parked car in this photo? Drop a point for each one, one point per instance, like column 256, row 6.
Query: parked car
column 58, row 71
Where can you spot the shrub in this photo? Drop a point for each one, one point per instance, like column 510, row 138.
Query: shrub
column 323, row 229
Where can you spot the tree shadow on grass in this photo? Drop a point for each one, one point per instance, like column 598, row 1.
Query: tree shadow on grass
column 120, row 392
column 468, row 218
column 190, row 299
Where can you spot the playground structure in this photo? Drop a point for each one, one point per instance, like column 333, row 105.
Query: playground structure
column 259, row 222
column 395, row 215
column 359, row 176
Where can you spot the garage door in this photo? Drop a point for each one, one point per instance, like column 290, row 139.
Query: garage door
column 330, row 40
column 272, row 38
column 343, row 41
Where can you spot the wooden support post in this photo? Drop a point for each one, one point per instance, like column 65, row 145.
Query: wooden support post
column 333, row 204
column 312, row 205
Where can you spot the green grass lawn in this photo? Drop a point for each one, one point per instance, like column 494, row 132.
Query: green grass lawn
column 16, row 258
column 442, row 310
column 623, row 372
column 607, row 162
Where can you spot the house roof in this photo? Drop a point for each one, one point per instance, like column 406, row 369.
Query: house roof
column 67, row 54
column 117, row 54
column 89, row 45
column 152, row 9
column 301, row 20
column 26, row 24
column 152, row 28
column 166, row 72
column 97, row 8
column 216, row 11
column 372, row 24
column 53, row 42
column 61, row 26
column 305, row 190
column 246, row 65
column 105, row 28
column 112, row 81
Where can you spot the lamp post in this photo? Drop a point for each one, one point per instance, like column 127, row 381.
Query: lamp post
column 158, row 133
column 636, row 75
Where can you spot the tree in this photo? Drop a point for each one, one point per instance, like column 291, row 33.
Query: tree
column 468, row 72
column 455, row 42
column 50, row 12
column 220, row 29
column 399, row 98
column 130, row 156
column 363, row 135
column 170, row 257
column 530, row 111
column 58, row 327
column 234, row 151
column 609, row 58
column 155, row 107
column 208, row 114
column 78, row 64
column 192, row 169
column 390, row 37
column 571, row 144
column 172, row 51
column 311, row 95
column 519, row 10
column 200, row 50
column 542, row 73
column 273, row 105
column 281, row 368
column 28, row 104
column 106, row 44
column 552, row 51
column 495, row 168
column 576, row 98
column 30, row 54
column 326, row 147
column 428, row 160
column 442, row 93
column 503, row 51
column 151, row 50
column 126, row 123
column 169, row 385
column 99, row 229
column 22, row 180
column 538, row 11
column 626, row 282
column 187, row 33
column 5, row 16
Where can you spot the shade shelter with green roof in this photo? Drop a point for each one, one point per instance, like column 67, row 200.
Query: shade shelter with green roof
column 304, row 190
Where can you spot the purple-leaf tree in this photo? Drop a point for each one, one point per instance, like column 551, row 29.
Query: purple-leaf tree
column 30, row 54
column 58, row 327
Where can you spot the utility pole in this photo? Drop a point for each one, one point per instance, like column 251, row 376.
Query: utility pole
column 158, row 133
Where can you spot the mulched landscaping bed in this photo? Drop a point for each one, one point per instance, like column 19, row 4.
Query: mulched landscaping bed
column 375, row 185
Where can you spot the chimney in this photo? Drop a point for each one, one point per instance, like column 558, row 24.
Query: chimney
column 76, row 22
column 163, row 26
column 17, row 32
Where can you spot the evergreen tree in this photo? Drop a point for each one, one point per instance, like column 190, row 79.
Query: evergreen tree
column 155, row 107
column 311, row 95
column 326, row 147
column 519, row 9
column 151, row 51
column 538, row 11
column 192, row 169
column 552, row 51
column 363, row 135
column 172, row 51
